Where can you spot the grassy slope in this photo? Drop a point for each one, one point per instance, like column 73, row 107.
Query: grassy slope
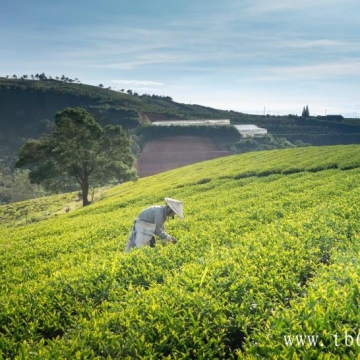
column 34, row 210
column 269, row 248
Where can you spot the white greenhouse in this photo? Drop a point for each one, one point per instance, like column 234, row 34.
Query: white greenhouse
column 245, row 130
column 204, row 122
column 250, row 130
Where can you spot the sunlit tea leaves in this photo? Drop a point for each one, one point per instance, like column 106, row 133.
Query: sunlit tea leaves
column 269, row 248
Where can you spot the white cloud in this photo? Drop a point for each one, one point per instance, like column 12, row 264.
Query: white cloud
column 316, row 43
column 340, row 69
column 265, row 6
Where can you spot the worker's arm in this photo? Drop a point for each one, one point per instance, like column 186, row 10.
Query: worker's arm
column 159, row 220
column 159, row 230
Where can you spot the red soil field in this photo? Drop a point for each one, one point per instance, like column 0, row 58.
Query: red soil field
column 173, row 152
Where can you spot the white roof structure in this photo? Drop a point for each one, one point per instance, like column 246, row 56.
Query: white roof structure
column 250, row 130
column 192, row 122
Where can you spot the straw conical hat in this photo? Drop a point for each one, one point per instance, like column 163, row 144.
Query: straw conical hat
column 177, row 206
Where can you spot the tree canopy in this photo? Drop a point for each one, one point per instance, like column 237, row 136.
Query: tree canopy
column 78, row 149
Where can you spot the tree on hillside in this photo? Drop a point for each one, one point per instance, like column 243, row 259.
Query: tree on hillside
column 305, row 112
column 15, row 186
column 79, row 149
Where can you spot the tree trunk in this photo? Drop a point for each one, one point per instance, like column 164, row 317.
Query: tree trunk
column 85, row 192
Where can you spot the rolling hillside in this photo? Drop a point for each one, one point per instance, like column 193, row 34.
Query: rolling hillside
column 266, row 266
column 27, row 105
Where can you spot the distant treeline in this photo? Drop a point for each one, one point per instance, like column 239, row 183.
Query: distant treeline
column 43, row 77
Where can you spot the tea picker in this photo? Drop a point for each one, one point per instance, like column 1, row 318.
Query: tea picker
column 150, row 223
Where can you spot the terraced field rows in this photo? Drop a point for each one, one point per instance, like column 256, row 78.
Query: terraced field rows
column 268, row 251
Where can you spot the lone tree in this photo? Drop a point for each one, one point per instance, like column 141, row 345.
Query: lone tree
column 79, row 149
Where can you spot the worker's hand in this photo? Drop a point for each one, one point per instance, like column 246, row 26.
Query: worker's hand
column 173, row 240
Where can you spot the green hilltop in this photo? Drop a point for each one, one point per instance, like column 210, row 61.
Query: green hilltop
column 268, row 252
column 26, row 104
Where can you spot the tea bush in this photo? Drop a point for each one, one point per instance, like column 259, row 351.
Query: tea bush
column 267, row 262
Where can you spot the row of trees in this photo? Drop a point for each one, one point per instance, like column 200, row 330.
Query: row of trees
column 144, row 96
column 43, row 77
column 268, row 142
column 129, row 92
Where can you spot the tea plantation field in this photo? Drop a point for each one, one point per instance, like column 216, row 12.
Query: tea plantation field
column 267, row 266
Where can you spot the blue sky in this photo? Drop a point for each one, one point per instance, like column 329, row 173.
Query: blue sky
column 253, row 56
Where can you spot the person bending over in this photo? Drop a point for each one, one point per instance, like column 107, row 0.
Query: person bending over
column 150, row 223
